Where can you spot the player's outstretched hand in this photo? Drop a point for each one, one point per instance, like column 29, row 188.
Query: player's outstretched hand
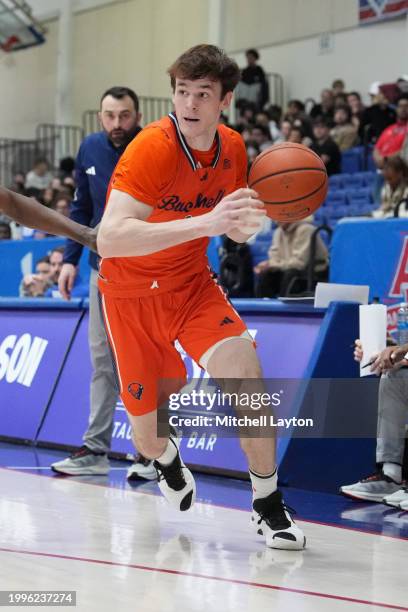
column 239, row 208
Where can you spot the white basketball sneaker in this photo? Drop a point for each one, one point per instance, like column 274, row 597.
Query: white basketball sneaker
column 395, row 499
column 176, row 482
column 141, row 469
column 272, row 520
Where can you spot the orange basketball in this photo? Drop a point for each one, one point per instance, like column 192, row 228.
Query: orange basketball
column 290, row 179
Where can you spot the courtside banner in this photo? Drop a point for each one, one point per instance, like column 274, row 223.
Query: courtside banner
column 33, row 344
column 372, row 252
column 67, row 417
column 278, row 339
column 373, row 11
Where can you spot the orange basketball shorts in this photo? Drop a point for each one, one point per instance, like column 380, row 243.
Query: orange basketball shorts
column 142, row 332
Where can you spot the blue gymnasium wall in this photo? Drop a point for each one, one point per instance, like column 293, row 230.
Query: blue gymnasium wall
column 18, row 257
column 372, row 252
column 45, row 372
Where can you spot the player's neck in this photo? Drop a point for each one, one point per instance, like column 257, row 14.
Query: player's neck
column 203, row 142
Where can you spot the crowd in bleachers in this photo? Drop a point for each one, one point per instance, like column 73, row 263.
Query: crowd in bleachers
column 364, row 148
column 54, row 189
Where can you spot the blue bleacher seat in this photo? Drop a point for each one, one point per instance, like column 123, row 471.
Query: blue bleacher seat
column 353, row 181
column 336, row 181
column 363, row 193
column 351, row 160
column 359, row 206
column 368, row 177
column 319, row 216
column 338, row 212
column 338, row 196
column 260, row 246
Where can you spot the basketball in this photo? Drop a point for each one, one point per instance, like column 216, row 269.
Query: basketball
column 291, row 180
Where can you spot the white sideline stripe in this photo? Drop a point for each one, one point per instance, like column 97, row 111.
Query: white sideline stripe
column 112, row 342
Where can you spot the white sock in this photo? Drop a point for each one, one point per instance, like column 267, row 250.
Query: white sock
column 263, row 484
column 393, row 471
column 169, row 454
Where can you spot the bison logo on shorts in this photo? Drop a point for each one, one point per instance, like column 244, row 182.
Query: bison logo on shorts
column 136, row 389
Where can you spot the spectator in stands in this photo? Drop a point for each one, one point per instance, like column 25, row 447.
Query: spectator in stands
column 66, row 168
column 392, row 139
column 18, row 184
column 285, row 129
column 356, row 107
column 56, row 260
column 252, row 152
column 262, row 119
column 325, row 147
column 395, row 189
column 79, row 288
column 298, row 136
column 97, row 157
column 48, row 196
column 253, row 86
column 40, row 176
column 5, row 231
column 247, row 113
column 62, row 205
column 386, row 484
column 275, row 117
column 338, row 87
column 260, row 135
column 402, row 83
column 340, row 100
column 288, row 257
column 295, row 134
column 376, row 117
column 344, row 132
column 295, row 110
column 325, row 109
column 35, row 285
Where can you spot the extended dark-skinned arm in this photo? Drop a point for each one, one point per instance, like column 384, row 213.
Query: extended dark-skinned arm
column 31, row 213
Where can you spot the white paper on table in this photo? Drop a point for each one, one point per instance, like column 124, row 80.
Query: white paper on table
column 373, row 333
column 338, row 292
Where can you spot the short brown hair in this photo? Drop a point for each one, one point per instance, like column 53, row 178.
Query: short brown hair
column 204, row 61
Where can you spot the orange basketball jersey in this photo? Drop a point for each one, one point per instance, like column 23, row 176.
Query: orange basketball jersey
column 158, row 168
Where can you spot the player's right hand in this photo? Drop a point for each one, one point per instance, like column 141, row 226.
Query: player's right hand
column 66, row 280
column 241, row 207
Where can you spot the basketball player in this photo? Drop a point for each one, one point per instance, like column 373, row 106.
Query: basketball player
column 31, row 213
column 182, row 180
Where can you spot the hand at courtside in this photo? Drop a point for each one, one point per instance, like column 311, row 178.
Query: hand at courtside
column 66, row 280
column 358, row 350
column 240, row 208
column 262, row 266
column 391, row 357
